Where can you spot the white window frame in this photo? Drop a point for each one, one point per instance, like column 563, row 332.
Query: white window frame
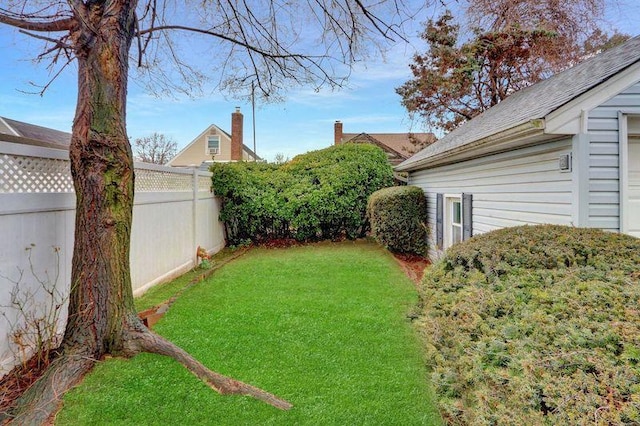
column 624, row 140
column 449, row 224
column 213, row 151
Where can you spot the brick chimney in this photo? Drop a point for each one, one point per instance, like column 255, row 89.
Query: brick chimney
column 337, row 132
column 236, row 135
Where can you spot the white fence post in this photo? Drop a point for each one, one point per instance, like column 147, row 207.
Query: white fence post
column 195, row 216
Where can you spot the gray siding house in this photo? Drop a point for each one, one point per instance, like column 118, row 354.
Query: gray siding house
column 563, row 151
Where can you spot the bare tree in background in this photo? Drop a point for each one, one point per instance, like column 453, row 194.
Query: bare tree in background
column 272, row 44
column 280, row 158
column 156, row 148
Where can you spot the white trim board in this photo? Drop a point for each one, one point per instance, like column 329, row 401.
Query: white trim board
column 567, row 119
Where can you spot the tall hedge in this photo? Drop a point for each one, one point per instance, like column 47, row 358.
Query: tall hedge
column 319, row 195
column 398, row 218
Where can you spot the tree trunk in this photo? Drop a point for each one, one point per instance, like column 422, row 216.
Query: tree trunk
column 102, row 317
column 101, row 299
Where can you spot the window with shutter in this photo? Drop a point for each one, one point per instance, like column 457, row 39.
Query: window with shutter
column 467, row 216
column 452, row 220
column 439, row 221
column 454, row 216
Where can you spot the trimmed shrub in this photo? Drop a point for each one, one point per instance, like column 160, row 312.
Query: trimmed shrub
column 319, row 195
column 398, row 217
column 250, row 200
column 536, row 325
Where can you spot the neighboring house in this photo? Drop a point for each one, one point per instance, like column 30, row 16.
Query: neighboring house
column 216, row 145
column 397, row 146
column 563, row 151
column 30, row 134
column 212, row 143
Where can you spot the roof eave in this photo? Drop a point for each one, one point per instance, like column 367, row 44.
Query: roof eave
column 15, row 133
column 250, row 152
column 378, row 143
column 519, row 135
column 567, row 118
column 29, row 141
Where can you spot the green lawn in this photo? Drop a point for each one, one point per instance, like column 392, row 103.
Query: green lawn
column 323, row 326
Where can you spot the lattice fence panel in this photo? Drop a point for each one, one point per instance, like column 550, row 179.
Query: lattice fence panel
column 34, row 174
column 26, row 174
column 204, row 183
column 159, row 181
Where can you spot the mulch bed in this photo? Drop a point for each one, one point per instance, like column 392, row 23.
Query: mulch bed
column 280, row 243
column 19, row 379
column 412, row 265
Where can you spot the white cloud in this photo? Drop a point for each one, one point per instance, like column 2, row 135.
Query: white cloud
column 363, row 119
column 371, row 118
column 374, row 72
column 38, row 110
column 322, row 99
column 393, row 65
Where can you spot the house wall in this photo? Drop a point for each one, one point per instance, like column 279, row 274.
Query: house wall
column 196, row 152
column 513, row 188
column 604, row 183
column 173, row 214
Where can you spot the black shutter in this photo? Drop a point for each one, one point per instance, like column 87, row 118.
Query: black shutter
column 439, row 220
column 467, row 216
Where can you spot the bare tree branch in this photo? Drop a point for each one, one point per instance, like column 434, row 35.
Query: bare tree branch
column 241, row 43
column 44, row 88
column 386, row 30
column 30, row 24
column 58, row 44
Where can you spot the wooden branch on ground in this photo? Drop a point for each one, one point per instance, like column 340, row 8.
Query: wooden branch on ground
column 153, row 343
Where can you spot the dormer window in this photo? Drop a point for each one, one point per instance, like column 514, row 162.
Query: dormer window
column 213, row 144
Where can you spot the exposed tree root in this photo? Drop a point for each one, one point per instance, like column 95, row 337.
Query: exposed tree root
column 41, row 401
column 153, row 343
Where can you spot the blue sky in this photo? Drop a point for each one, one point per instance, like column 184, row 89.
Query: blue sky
column 302, row 122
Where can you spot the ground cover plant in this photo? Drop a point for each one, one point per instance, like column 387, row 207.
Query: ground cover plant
column 319, row 195
column 536, row 325
column 324, row 326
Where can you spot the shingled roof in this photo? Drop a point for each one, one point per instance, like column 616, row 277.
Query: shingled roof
column 34, row 135
column 398, row 143
column 534, row 102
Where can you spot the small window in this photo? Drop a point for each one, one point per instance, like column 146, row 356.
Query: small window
column 453, row 222
column 456, row 221
column 213, row 144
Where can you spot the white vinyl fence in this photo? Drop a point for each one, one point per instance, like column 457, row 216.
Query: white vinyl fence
column 174, row 213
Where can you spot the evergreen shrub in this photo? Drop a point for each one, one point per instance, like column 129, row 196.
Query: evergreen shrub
column 398, row 217
column 319, row 195
column 535, row 325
